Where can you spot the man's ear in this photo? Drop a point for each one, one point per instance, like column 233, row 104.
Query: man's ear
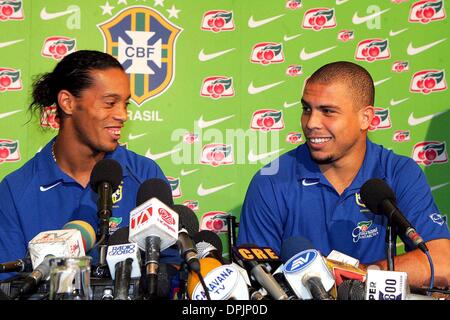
column 66, row 101
column 367, row 113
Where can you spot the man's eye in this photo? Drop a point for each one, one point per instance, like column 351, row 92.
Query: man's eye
column 306, row 109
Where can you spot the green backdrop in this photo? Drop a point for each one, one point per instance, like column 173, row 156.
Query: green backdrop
column 216, row 84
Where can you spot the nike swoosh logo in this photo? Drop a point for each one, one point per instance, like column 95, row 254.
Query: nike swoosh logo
column 185, row 173
column 7, row 114
column 204, row 192
column 134, row 137
column 380, row 81
column 258, row 23
column 396, row 102
column 202, row 56
column 255, row 90
column 288, row 105
column 289, row 38
column 412, row 51
column 9, row 43
column 395, row 33
column 205, row 124
column 412, row 121
column 257, row 157
column 308, row 56
column 358, row 20
column 43, row 189
column 339, row 2
column 307, row 184
column 160, row 155
column 439, row 186
column 49, row 16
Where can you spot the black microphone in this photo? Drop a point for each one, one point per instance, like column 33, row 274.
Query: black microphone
column 209, row 245
column 19, row 265
column 188, row 226
column 380, row 199
column 105, row 179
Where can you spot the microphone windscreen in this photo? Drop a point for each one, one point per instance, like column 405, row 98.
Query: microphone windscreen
column 206, row 265
column 86, row 230
column 374, row 192
column 120, row 236
column 351, row 290
column 154, row 188
column 106, row 170
column 293, row 245
column 207, row 236
column 187, row 219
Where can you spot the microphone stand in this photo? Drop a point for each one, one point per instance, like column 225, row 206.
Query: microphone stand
column 390, row 245
column 231, row 222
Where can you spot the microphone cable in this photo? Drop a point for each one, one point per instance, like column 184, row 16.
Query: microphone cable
column 430, row 261
column 202, row 281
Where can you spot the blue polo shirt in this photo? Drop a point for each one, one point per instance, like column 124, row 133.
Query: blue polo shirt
column 40, row 197
column 298, row 200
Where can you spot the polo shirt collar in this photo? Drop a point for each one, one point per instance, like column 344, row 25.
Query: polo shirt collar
column 53, row 174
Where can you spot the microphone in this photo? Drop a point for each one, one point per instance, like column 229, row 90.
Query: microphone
column 380, row 199
column 208, row 244
column 306, row 270
column 124, row 262
column 380, row 285
column 188, row 225
column 153, row 226
column 248, row 257
column 223, row 282
column 19, row 265
column 105, row 179
column 56, row 243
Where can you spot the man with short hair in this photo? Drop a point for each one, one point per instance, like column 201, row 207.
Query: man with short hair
column 315, row 193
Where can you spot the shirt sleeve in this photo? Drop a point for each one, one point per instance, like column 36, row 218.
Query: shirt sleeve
column 415, row 201
column 12, row 240
column 261, row 220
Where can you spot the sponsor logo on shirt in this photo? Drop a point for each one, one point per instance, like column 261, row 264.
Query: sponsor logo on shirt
column 114, row 223
column 363, row 231
column 440, row 219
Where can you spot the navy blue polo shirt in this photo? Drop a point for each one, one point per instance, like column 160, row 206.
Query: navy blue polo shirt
column 298, row 200
column 40, row 197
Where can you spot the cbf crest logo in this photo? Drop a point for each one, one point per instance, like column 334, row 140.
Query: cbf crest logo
column 144, row 43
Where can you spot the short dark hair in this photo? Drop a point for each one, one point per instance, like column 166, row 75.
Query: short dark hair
column 358, row 80
column 72, row 73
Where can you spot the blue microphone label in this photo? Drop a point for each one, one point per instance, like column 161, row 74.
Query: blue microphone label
column 301, row 260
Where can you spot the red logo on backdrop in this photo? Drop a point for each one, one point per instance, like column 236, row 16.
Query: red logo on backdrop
column 267, row 120
column 11, row 10
column 9, row 150
column 10, row 79
column 175, row 186
column 267, row 52
column 346, row 35
column 293, row 4
column 190, row 138
column 214, row 221
column 427, row 11
column 218, row 20
column 294, row 70
column 430, row 152
column 58, row 47
column 400, row 66
column 49, row 118
column 191, row 204
column 294, row 137
column 401, row 136
column 381, row 120
column 166, row 216
column 319, row 18
column 217, row 154
column 372, row 49
column 427, row 81
column 217, row 87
